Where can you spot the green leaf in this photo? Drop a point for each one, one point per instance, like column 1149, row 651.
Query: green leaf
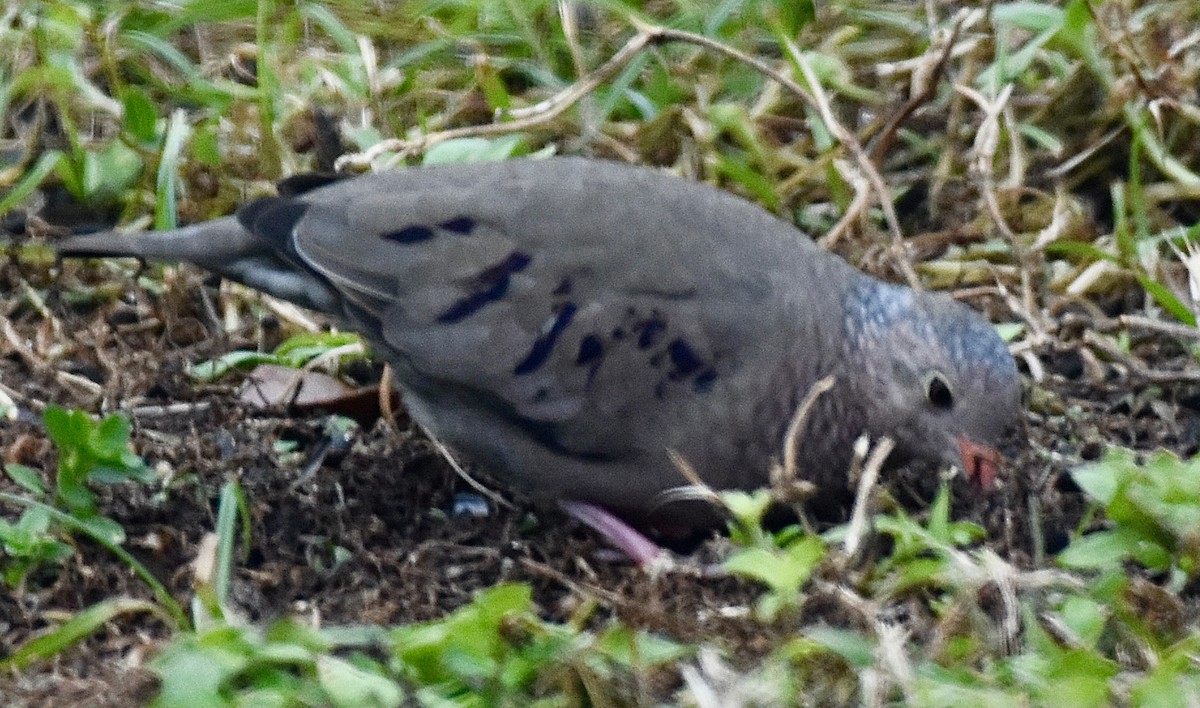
column 748, row 508
column 349, row 686
column 63, row 428
column 1099, row 479
column 639, row 649
column 1009, row 331
column 216, row 368
column 69, row 633
column 1078, row 31
column 333, row 26
column 465, row 150
column 761, row 188
column 1078, row 677
column 1080, row 250
column 1103, row 549
column 205, row 143
column 166, row 183
column 232, row 507
column 103, row 528
column 111, row 437
column 108, row 174
column 1085, row 617
column 1164, row 297
column 192, row 670
column 27, row 477
column 31, row 180
column 921, row 573
column 141, row 118
column 463, row 643
column 795, row 15
column 939, row 515
column 856, row 649
column 1032, row 16
column 784, row 570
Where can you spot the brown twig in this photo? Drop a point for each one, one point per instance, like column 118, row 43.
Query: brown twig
column 603, row 596
column 926, row 91
column 847, row 139
column 386, row 410
column 1136, row 368
column 464, row 475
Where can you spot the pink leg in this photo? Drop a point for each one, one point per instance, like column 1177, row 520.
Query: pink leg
column 643, row 551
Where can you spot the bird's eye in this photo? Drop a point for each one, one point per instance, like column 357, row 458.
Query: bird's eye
column 938, row 393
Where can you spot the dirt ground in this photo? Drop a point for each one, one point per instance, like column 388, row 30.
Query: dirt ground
column 388, row 499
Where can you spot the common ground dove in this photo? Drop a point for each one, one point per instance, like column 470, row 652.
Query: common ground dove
column 569, row 323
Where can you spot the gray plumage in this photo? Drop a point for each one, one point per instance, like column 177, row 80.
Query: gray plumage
column 567, row 322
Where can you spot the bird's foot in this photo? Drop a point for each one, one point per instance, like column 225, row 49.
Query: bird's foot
column 646, row 553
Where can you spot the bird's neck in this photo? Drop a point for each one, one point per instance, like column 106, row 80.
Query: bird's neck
column 870, row 309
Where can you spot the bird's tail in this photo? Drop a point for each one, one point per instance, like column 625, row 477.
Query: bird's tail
column 208, row 244
column 221, row 246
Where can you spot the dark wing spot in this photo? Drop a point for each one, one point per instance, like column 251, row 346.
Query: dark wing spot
column 564, row 287
column 514, row 262
column 651, row 330
column 544, row 345
column 704, row 380
column 409, row 234
column 590, row 350
column 618, row 334
column 463, row 225
column 684, row 360
column 488, row 286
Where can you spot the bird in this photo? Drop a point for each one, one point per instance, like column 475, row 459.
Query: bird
column 578, row 326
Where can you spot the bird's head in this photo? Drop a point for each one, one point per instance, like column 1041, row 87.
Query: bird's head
column 935, row 376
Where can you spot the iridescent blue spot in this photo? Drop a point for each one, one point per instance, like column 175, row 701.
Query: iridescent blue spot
column 488, row 286
column 590, row 349
column 683, row 359
column 410, row 234
column 463, row 225
column 469, row 504
column 544, row 345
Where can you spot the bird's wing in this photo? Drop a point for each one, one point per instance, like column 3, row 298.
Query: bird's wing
column 576, row 300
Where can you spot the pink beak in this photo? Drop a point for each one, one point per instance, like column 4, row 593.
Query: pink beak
column 980, row 462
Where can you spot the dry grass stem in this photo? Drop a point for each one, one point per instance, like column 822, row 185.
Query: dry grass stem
column 791, row 439
column 1135, row 367
column 862, row 200
column 856, row 531
column 386, row 411
column 464, row 475
column 927, row 70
